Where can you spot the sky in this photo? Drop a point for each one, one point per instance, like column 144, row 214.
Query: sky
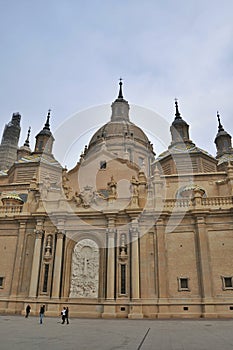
column 69, row 56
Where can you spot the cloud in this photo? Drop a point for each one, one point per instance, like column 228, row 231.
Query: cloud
column 68, row 56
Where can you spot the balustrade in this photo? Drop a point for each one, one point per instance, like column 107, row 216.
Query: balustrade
column 11, row 209
column 205, row 202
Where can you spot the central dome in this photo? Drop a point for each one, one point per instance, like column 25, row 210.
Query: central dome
column 121, row 129
column 121, row 137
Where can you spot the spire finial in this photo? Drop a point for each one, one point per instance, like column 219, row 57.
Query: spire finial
column 120, row 95
column 47, row 126
column 26, row 143
column 220, row 127
column 177, row 114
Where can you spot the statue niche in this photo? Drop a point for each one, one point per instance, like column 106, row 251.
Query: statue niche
column 85, row 270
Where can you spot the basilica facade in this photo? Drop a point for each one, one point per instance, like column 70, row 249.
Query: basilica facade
column 125, row 233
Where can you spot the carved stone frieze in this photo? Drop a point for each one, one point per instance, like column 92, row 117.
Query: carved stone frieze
column 88, row 198
column 85, row 270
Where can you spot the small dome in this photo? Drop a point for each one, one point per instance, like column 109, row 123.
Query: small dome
column 25, row 149
column 188, row 191
column 13, row 197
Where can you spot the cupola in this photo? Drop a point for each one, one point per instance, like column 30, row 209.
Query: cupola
column 179, row 128
column 222, row 140
column 120, row 107
column 45, row 139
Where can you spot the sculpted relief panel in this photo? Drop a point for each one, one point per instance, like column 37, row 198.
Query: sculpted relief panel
column 85, row 270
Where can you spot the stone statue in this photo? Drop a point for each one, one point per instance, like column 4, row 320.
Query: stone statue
column 134, row 186
column 112, row 185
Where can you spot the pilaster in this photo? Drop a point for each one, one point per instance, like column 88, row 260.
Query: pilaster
column 135, row 309
column 109, row 309
column 36, row 263
column 205, row 274
column 162, row 269
column 18, row 260
column 57, row 265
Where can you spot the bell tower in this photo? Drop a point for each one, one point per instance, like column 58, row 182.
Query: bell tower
column 9, row 144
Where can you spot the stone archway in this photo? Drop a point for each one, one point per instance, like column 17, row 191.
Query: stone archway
column 85, row 270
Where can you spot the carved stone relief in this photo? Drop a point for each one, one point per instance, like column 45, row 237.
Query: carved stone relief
column 85, row 270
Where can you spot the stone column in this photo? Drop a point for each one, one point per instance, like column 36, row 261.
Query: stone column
column 110, row 307
column 57, row 266
column 162, row 269
column 18, row 260
column 135, row 287
column 204, row 268
column 136, row 307
column 36, row 264
column 111, row 263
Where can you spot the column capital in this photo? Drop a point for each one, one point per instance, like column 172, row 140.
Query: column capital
column 111, row 220
column 160, row 222
column 111, row 231
column 201, row 220
column 39, row 234
column 60, row 234
column 22, row 224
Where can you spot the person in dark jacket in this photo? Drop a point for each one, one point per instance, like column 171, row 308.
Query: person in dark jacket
column 42, row 312
column 28, row 310
column 67, row 315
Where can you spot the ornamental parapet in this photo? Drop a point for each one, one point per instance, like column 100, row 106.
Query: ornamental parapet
column 10, row 209
column 206, row 202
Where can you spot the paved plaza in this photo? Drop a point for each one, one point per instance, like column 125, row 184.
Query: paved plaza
column 17, row 332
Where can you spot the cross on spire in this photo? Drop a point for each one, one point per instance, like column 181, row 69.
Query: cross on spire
column 26, row 143
column 177, row 114
column 220, row 127
column 120, row 95
column 47, row 126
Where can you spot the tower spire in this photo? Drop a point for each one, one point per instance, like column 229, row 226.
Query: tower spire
column 44, row 140
column 120, row 95
column 220, row 127
column 26, row 143
column 47, row 125
column 177, row 114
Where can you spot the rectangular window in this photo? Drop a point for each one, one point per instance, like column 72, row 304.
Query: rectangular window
column 1, row 282
column 227, row 282
column 183, row 283
column 46, row 275
column 123, row 279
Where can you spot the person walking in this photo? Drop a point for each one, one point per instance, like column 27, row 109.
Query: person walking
column 42, row 312
column 67, row 315
column 63, row 315
column 28, row 310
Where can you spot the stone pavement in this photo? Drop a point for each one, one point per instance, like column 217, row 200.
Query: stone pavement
column 17, row 332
